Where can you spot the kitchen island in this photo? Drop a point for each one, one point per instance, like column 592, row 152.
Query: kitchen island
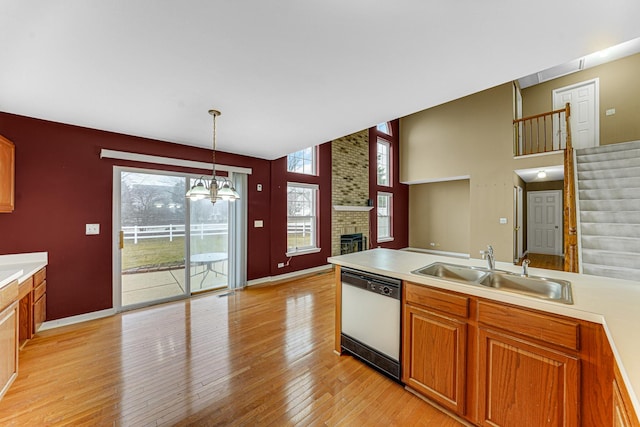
column 610, row 303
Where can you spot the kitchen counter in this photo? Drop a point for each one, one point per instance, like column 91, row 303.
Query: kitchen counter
column 20, row 266
column 610, row 302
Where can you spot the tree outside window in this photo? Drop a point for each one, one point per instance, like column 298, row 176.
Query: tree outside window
column 303, row 161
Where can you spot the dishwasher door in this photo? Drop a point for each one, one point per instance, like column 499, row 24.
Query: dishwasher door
column 371, row 311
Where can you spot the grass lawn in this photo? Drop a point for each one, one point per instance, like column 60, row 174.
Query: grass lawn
column 149, row 253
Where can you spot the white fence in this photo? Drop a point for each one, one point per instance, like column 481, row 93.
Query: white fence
column 170, row 231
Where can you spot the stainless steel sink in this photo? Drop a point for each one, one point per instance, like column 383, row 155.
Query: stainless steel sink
column 455, row 272
column 538, row 287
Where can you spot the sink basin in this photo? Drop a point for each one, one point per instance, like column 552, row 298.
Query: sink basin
column 540, row 287
column 455, row 272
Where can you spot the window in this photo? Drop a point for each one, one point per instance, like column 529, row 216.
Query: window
column 384, row 128
column 303, row 161
column 384, row 217
column 302, row 218
column 383, row 162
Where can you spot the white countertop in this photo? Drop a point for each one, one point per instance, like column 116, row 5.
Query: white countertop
column 610, row 302
column 20, row 266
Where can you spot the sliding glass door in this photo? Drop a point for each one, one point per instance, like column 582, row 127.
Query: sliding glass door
column 209, row 244
column 158, row 229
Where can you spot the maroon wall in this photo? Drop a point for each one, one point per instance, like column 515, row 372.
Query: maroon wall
column 280, row 177
column 400, row 213
column 62, row 184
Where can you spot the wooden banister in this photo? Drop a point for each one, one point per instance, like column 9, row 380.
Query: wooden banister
column 570, row 219
column 533, row 134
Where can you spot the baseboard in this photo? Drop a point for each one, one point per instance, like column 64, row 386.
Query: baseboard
column 435, row 252
column 289, row 276
column 51, row 324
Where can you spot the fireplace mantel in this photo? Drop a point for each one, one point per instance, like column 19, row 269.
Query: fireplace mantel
column 352, row 208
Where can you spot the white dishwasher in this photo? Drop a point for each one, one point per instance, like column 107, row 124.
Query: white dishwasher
column 370, row 327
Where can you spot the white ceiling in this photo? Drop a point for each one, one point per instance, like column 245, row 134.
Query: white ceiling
column 285, row 74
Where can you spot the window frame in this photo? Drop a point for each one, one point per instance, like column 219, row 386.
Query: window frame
column 387, row 157
column 389, row 216
column 315, row 221
column 314, row 161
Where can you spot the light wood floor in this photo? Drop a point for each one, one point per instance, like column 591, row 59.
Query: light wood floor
column 550, row 262
column 261, row 357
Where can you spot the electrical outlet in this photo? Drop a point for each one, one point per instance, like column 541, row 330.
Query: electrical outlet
column 281, row 265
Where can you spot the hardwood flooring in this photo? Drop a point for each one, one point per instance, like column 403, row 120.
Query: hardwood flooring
column 550, row 262
column 259, row 357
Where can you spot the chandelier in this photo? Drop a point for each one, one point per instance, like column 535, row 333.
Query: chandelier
column 209, row 188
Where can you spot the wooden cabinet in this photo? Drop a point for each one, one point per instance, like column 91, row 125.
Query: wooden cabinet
column 7, row 175
column 33, row 305
column 435, row 345
column 8, row 336
column 528, row 368
column 623, row 413
column 495, row 364
column 525, row 384
column 39, row 299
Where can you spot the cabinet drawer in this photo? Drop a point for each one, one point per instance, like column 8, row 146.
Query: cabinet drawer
column 25, row 288
column 39, row 290
column 40, row 276
column 438, row 300
column 8, row 294
column 544, row 327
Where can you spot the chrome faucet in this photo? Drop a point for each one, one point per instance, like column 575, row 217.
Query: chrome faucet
column 488, row 255
column 525, row 267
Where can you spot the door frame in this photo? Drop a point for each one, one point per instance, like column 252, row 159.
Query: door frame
column 518, row 227
column 116, row 255
column 596, row 103
column 559, row 247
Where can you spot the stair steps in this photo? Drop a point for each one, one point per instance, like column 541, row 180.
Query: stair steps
column 608, row 188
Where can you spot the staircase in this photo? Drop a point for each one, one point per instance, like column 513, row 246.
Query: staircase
column 608, row 186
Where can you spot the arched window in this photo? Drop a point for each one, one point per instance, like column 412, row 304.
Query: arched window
column 384, row 128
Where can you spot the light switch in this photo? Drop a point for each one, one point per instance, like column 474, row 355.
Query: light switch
column 503, row 220
column 258, row 223
column 610, row 112
column 259, row 187
column 92, row 229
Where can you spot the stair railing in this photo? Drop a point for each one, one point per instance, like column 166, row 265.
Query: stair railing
column 541, row 133
column 569, row 217
column 544, row 133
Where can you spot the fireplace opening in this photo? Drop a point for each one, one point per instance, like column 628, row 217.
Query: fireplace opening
column 350, row 243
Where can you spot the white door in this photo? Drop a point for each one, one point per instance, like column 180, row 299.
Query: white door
column 584, row 119
column 544, row 222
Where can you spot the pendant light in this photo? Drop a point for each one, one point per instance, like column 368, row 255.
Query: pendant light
column 211, row 190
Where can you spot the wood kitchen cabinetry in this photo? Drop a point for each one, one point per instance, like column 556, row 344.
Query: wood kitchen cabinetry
column 623, row 413
column 524, row 380
column 435, row 345
column 7, row 175
column 8, row 336
column 33, row 305
column 495, row 364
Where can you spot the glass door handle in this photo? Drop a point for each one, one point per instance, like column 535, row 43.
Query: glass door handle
column 121, row 239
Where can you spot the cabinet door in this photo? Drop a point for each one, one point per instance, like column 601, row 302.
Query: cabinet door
column 8, row 347
column 7, row 174
column 434, row 357
column 523, row 384
column 39, row 312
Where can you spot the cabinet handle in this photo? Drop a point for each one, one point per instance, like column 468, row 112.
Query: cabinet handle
column 121, row 239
